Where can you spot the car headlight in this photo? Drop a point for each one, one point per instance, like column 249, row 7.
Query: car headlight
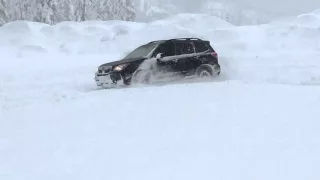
column 120, row 67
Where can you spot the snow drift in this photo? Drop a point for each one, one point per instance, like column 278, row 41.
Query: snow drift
column 274, row 36
column 258, row 122
column 272, row 52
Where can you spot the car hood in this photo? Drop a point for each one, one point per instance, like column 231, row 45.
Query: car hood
column 123, row 61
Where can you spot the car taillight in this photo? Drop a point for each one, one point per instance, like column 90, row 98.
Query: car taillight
column 214, row 54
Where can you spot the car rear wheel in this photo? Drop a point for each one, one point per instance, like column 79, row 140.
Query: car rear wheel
column 206, row 72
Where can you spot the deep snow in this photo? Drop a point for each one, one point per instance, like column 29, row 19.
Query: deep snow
column 259, row 120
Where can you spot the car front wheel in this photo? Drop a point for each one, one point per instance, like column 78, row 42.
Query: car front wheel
column 141, row 77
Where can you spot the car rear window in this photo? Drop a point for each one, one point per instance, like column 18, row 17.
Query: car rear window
column 202, row 46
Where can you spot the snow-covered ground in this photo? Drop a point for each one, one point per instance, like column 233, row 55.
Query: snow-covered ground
column 259, row 120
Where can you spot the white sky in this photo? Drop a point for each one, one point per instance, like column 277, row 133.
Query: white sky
column 281, row 7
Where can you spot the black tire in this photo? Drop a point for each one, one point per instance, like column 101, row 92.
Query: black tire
column 141, row 77
column 207, row 71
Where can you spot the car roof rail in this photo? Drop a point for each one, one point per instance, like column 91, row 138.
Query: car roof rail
column 188, row 39
column 156, row 41
column 177, row 39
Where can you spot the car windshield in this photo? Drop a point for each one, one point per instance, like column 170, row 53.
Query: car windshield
column 141, row 51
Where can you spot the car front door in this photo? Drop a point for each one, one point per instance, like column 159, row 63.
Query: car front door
column 165, row 69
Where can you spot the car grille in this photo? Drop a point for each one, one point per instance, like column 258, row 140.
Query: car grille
column 104, row 70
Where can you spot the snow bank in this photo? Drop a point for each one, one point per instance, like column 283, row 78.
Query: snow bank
column 95, row 36
column 67, row 37
column 265, row 53
column 21, row 34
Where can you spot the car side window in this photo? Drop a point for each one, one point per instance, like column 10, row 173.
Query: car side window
column 166, row 49
column 184, row 48
column 201, row 46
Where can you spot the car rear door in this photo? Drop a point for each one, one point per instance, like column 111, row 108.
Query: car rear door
column 187, row 60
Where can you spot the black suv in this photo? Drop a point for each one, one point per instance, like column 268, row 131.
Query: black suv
column 163, row 60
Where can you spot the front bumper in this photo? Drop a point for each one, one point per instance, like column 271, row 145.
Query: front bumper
column 110, row 79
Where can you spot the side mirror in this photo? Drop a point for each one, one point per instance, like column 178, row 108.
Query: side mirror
column 159, row 56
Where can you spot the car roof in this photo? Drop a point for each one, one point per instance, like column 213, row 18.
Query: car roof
column 178, row 39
